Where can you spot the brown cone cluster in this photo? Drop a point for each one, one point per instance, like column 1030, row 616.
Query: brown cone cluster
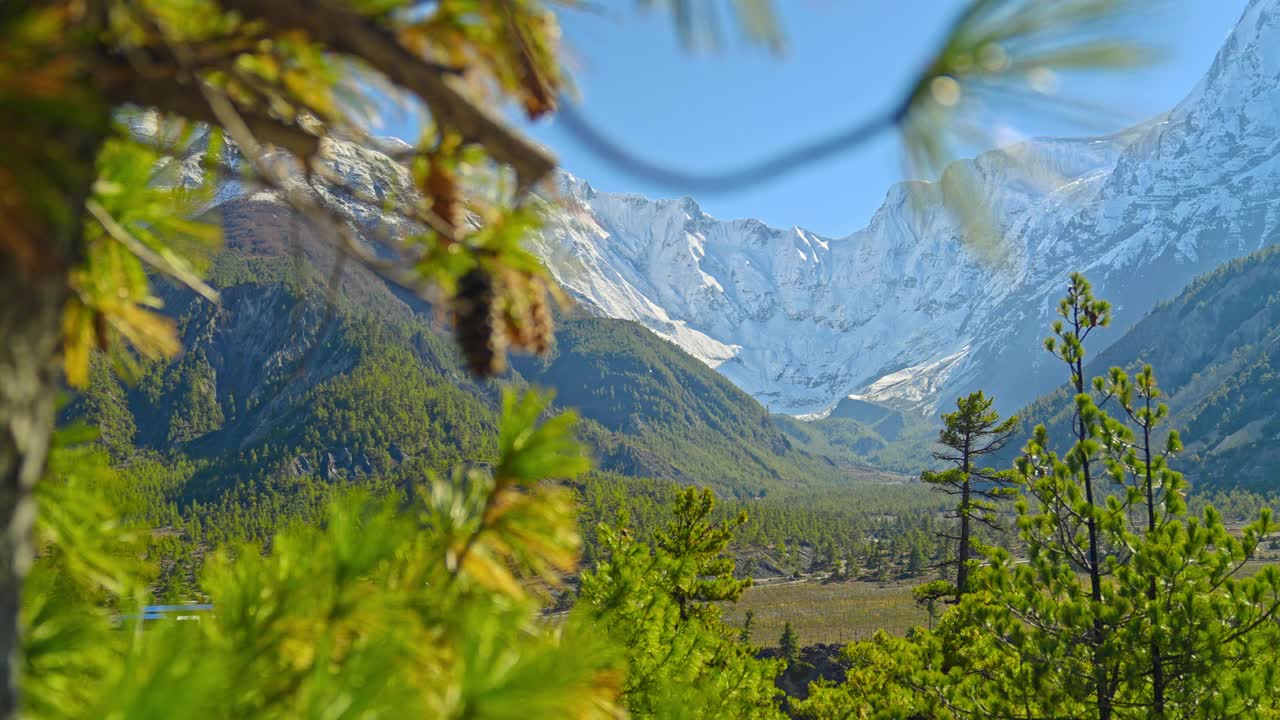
column 475, row 324
column 491, row 316
column 541, row 324
column 443, row 195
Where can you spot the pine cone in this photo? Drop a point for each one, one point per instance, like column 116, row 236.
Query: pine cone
column 475, row 324
column 515, row 310
column 542, row 325
column 443, row 195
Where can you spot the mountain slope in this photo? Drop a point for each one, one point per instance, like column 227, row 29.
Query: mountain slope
column 1216, row 352
column 903, row 312
column 276, row 384
column 862, row 433
column 796, row 319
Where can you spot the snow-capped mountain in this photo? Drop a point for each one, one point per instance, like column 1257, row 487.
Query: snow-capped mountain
column 902, row 311
column 799, row 320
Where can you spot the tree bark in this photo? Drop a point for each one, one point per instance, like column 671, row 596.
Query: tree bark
column 1101, row 678
column 41, row 250
column 30, row 311
column 1157, row 661
column 962, row 572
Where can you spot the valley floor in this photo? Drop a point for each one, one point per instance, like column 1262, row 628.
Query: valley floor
column 828, row 612
column 822, row 611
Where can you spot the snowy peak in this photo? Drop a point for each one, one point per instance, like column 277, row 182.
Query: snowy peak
column 904, row 311
column 801, row 320
column 1244, row 71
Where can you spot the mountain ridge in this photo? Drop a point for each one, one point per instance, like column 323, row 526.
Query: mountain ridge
column 283, row 380
column 905, row 313
column 1215, row 350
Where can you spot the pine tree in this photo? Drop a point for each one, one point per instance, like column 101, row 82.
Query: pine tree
column 745, row 635
column 693, row 539
column 1162, row 622
column 657, row 607
column 1075, row 629
column 789, row 644
column 917, row 560
column 1081, row 315
column 1197, row 637
column 970, row 435
column 829, row 552
column 1153, row 481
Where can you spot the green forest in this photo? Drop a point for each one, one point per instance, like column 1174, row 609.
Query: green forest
column 1092, row 584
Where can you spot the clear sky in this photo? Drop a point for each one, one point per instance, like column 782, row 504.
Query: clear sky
column 844, row 60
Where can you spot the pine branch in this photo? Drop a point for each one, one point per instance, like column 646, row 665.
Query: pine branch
column 160, row 86
column 356, row 36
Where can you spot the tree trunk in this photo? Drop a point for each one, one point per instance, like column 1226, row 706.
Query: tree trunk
column 962, row 572
column 34, row 288
column 1101, row 679
column 1157, row 661
column 30, row 312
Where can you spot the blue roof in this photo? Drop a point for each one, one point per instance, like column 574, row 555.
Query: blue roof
column 160, row 612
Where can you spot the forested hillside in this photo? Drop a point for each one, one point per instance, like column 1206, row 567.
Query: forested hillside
column 862, row 433
column 294, row 387
column 664, row 414
column 285, row 379
column 1215, row 350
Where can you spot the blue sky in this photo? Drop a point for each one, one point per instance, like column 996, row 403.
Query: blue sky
column 844, row 60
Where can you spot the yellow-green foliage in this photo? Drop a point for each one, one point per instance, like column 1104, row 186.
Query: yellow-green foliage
column 681, row 660
column 419, row 604
column 396, row 607
column 871, row 688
